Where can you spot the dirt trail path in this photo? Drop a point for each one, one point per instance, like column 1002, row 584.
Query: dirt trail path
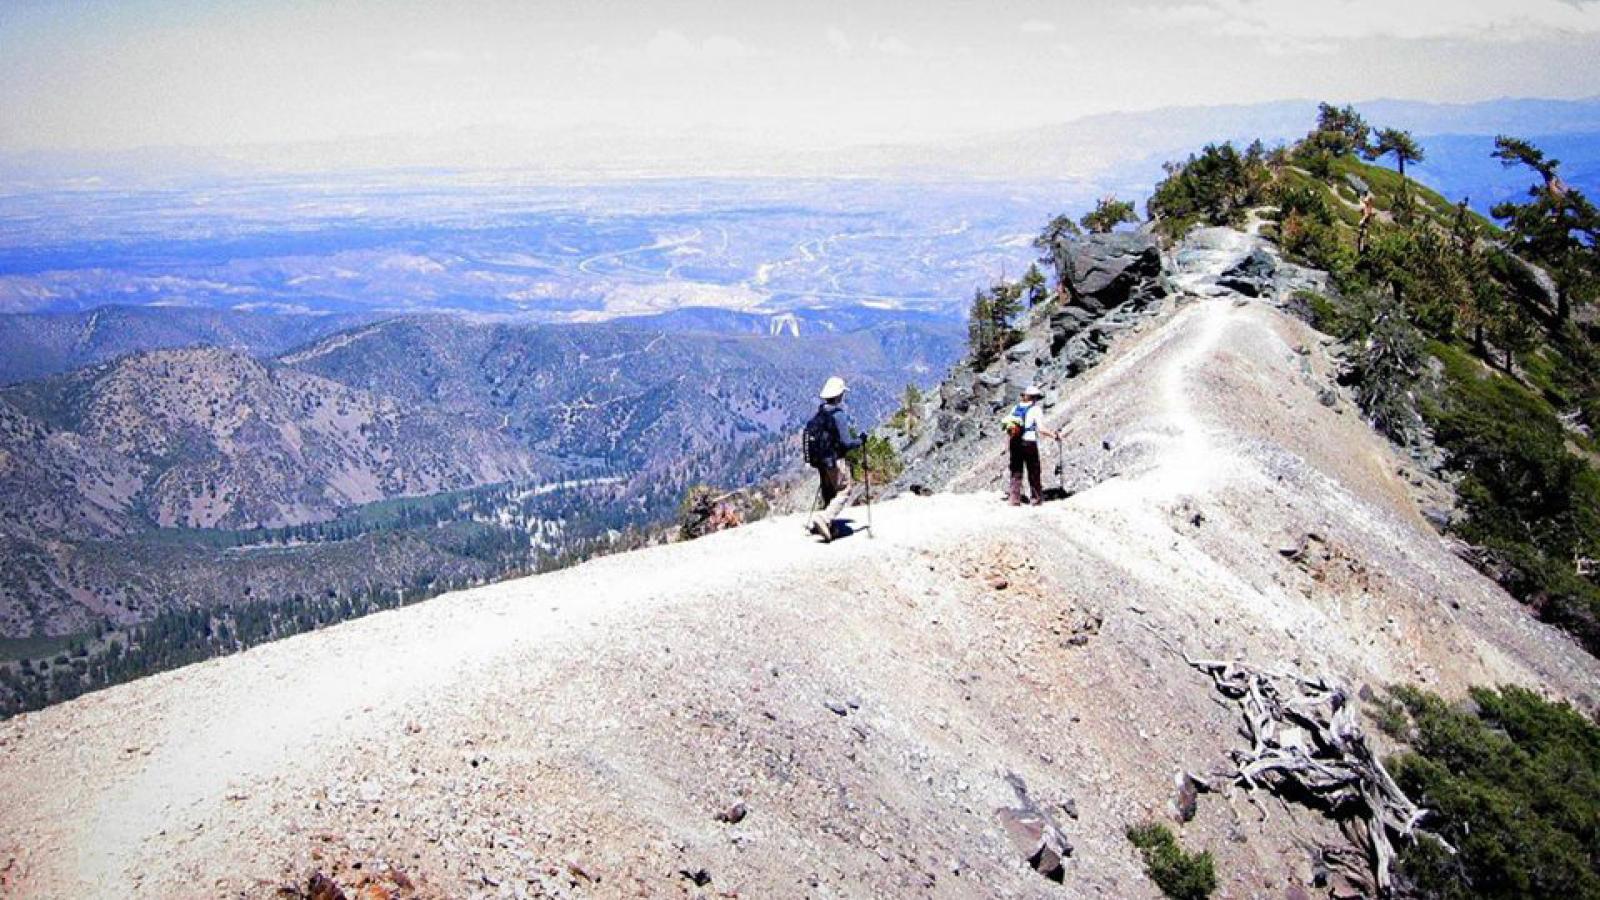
column 576, row 734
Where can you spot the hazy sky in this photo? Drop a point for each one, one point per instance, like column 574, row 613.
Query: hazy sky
column 125, row 73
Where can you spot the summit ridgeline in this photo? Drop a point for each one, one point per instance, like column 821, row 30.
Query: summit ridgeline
column 981, row 701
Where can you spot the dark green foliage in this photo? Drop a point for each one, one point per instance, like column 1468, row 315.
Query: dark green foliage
column 877, row 458
column 1310, row 201
column 1217, row 187
column 1056, row 243
column 1180, row 875
column 1530, row 500
column 1323, row 312
column 1399, row 144
column 1107, row 214
column 1532, row 504
column 1034, row 286
column 1340, row 130
column 1383, row 364
column 1514, row 785
column 990, row 328
column 1558, row 228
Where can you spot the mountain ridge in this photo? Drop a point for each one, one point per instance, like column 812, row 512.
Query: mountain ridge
column 584, row 730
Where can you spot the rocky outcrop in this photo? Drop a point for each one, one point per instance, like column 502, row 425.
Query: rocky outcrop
column 1111, row 269
column 1117, row 280
column 1214, row 262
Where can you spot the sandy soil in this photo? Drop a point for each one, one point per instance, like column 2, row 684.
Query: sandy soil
column 578, row 734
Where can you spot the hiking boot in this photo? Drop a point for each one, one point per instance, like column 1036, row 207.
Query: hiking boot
column 822, row 529
column 1036, row 501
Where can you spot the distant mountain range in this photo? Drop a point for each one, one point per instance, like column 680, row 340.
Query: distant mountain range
column 108, row 469
column 1122, row 153
column 33, row 345
column 1095, row 146
column 1094, row 149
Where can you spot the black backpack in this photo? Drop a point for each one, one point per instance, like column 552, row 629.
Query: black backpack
column 821, row 439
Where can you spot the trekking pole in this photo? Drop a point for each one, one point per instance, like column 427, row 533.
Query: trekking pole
column 866, row 477
column 1061, row 466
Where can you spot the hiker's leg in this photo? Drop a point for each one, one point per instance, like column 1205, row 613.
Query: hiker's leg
column 1035, row 482
column 1014, row 465
column 827, row 475
column 845, row 489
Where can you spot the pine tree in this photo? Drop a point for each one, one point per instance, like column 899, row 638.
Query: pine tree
column 1399, row 143
column 1107, row 214
column 1056, row 241
column 1005, row 304
column 909, row 418
column 980, row 328
column 1340, row 130
column 1558, row 228
column 1035, row 286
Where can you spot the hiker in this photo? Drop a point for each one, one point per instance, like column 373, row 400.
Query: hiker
column 1023, row 427
column 827, row 439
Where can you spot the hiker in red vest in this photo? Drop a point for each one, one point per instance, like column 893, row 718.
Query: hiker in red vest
column 1023, row 427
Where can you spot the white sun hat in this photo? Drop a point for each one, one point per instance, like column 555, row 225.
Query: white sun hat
column 833, row 389
column 1032, row 390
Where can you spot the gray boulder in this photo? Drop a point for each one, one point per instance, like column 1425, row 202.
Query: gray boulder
column 1034, row 833
column 1250, row 276
column 1025, row 351
column 1109, row 269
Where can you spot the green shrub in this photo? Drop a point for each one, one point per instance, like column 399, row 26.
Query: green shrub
column 1107, row 214
column 1323, row 312
column 1383, row 365
column 1528, row 500
column 1514, row 787
column 1216, row 187
column 876, row 457
column 1181, row 875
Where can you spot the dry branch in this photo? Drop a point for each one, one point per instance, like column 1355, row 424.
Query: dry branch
column 1305, row 745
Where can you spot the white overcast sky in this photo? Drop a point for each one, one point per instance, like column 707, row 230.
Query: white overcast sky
column 125, row 73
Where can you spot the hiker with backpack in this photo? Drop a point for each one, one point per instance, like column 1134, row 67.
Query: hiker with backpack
column 1023, row 427
column 827, row 439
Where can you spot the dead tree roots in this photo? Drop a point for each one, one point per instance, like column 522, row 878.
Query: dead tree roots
column 1306, row 745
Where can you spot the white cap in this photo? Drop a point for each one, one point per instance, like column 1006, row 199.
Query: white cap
column 1032, row 390
column 833, row 389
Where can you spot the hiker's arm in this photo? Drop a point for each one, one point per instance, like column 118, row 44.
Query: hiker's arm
column 848, row 438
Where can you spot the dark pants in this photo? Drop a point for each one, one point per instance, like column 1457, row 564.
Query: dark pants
column 1025, row 456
